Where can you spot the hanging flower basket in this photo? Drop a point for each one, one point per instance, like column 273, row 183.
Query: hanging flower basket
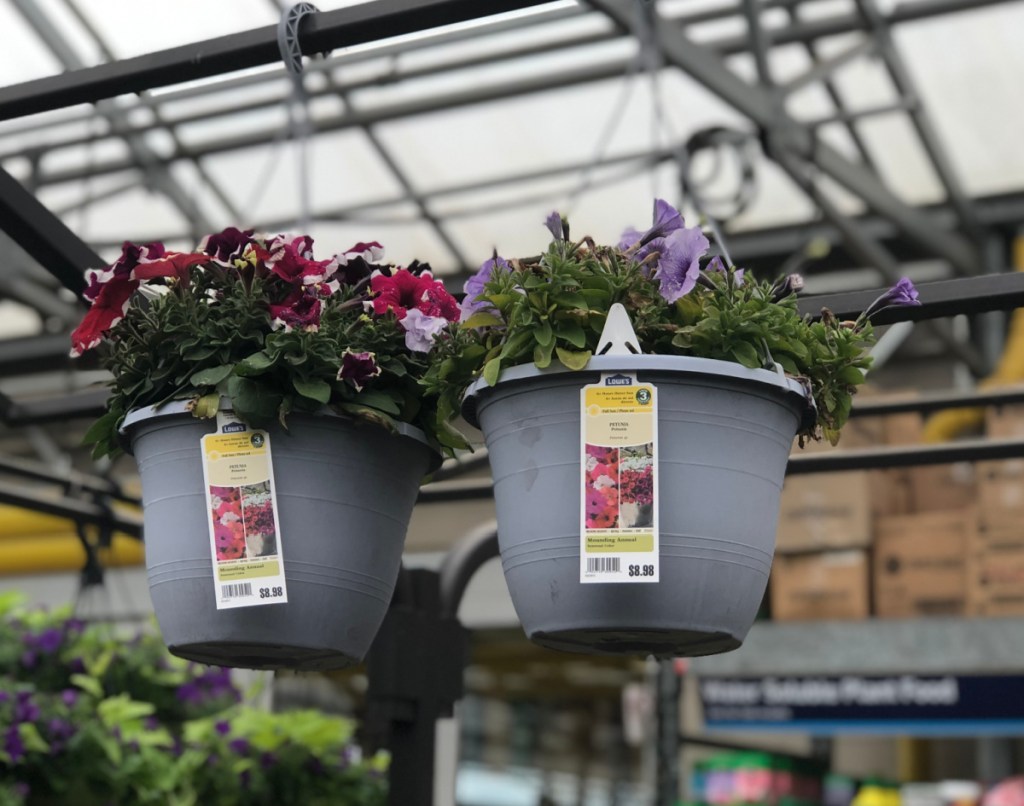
column 273, row 404
column 723, row 438
column 343, row 494
column 639, row 403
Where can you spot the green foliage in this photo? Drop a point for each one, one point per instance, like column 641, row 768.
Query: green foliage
column 550, row 311
column 89, row 718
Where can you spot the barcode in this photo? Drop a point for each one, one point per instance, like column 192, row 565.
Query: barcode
column 602, row 564
column 238, row 589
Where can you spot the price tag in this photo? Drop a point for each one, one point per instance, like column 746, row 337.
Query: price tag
column 619, row 478
column 245, row 536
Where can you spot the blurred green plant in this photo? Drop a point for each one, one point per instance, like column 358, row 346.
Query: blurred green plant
column 89, row 718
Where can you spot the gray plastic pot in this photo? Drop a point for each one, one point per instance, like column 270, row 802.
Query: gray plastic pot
column 725, row 434
column 345, row 493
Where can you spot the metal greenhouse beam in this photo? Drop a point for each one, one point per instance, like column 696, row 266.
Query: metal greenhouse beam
column 320, row 32
column 36, row 230
column 785, row 133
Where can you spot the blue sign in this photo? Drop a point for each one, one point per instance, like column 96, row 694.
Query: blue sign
column 934, row 705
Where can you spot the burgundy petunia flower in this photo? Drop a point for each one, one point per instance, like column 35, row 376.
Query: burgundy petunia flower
column 290, row 263
column 358, row 368
column 107, row 310
column 303, row 314
column 226, row 245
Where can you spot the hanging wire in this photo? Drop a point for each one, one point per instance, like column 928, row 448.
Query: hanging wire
column 641, row 61
column 298, row 103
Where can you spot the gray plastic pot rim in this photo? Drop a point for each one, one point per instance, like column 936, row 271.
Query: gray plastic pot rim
column 687, row 365
column 176, row 408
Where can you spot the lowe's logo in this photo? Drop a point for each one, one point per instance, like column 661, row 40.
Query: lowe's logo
column 618, row 380
column 232, row 428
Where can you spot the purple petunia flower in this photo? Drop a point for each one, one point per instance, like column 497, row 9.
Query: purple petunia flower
column 24, row 709
column 717, row 264
column 667, row 219
column 222, row 728
column 47, row 642
column 69, row 697
column 421, row 330
column 239, row 746
column 358, row 368
column 13, row 744
column 555, row 226
column 679, row 262
column 474, row 286
column 901, row 294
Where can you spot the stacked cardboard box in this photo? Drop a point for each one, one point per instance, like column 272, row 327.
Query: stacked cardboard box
column 996, row 555
column 827, row 585
column 995, row 568
column 894, row 538
column 920, row 563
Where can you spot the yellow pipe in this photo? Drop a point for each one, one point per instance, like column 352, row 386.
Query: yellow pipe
column 15, row 521
column 63, row 552
column 946, row 425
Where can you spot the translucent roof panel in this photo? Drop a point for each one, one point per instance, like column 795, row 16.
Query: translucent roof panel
column 449, row 143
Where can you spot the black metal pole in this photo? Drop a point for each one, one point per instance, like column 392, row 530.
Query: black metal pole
column 319, row 33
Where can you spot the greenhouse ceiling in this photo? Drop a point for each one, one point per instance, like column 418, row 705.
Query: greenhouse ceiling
column 823, row 134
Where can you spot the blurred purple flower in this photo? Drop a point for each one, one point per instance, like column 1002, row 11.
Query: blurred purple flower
column 69, row 697
column 222, row 728
column 474, row 286
column 47, row 642
column 267, row 760
column 13, row 745
column 77, row 665
column 239, row 746
column 24, row 709
column 28, row 659
column 555, row 226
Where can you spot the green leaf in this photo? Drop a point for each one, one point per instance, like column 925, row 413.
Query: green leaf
column 314, row 388
column 102, row 428
column 544, row 334
column 492, row 369
column 482, row 319
column 570, row 299
column 745, row 354
column 211, row 376
column 254, row 402
column 572, row 333
column 255, row 364
column 31, row 738
column 379, row 400
column 88, row 684
column 573, row 360
column 851, row 376
column 542, row 355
